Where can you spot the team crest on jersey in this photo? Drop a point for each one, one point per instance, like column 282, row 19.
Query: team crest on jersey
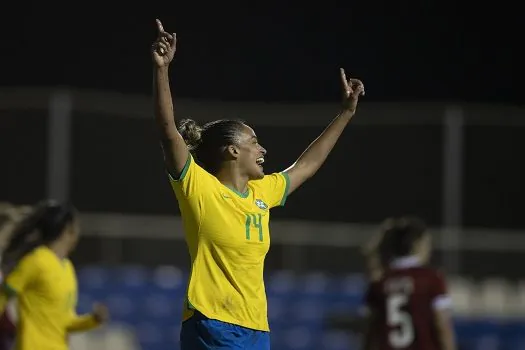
column 259, row 203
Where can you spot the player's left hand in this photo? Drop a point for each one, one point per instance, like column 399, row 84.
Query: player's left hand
column 100, row 312
column 352, row 89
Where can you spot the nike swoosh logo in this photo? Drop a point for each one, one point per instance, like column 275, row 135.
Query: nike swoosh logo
column 225, row 196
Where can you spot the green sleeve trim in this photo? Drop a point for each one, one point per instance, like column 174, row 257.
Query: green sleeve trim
column 184, row 170
column 286, row 189
column 9, row 290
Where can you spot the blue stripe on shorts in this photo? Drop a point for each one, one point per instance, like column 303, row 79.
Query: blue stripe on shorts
column 201, row 333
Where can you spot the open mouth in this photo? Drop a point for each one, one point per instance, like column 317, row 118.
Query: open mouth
column 260, row 161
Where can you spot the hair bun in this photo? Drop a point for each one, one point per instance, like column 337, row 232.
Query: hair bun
column 190, row 132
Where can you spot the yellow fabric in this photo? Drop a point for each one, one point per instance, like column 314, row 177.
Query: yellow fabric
column 79, row 323
column 4, row 298
column 46, row 289
column 228, row 238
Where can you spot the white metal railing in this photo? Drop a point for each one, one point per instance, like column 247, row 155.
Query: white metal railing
column 260, row 113
column 59, row 104
column 296, row 232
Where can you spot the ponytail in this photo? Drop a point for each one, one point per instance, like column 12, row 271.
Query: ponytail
column 43, row 226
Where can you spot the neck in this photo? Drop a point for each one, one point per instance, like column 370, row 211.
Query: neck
column 59, row 248
column 231, row 177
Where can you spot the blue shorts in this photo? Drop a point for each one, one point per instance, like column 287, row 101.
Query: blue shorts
column 202, row 333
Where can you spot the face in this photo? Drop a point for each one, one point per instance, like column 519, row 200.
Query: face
column 424, row 248
column 250, row 154
column 73, row 234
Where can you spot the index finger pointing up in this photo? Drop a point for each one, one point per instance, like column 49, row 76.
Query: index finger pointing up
column 344, row 81
column 159, row 26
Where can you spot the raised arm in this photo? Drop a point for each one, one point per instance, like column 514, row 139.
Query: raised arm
column 173, row 145
column 315, row 155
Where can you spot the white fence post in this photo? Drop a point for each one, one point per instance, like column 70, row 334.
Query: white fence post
column 58, row 145
column 452, row 187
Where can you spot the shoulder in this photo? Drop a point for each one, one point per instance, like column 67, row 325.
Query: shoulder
column 35, row 256
column 439, row 277
column 432, row 272
column 280, row 176
column 193, row 181
column 33, row 261
column 70, row 268
column 42, row 254
column 69, row 264
column 44, row 258
column 191, row 169
column 430, row 279
column 271, row 184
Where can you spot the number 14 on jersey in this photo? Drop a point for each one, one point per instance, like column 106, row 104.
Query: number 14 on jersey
column 254, row 221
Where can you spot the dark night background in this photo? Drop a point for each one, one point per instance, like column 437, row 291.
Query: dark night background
column 406, row 52
column 270, row 50
column 410, row 51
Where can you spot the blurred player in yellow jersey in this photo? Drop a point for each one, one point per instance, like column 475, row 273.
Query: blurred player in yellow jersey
column 216, row 172
column 38, row 272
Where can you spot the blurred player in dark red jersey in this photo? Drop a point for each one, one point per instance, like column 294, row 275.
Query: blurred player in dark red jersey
column 8, row 318
column 407, row 302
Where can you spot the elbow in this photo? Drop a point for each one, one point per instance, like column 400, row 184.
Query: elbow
column 166, row 125
column 307, row 169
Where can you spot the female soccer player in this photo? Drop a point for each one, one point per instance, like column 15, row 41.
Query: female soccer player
column 408, row 304
column 216, row 172
column 43, row 279
column 10, row 215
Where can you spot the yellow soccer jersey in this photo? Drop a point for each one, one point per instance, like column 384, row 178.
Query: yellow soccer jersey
column 228, row 238
column 46, row 289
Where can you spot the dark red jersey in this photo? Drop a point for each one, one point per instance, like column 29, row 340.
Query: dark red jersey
column 7, row 324
column 7, row 332
column 404, row 301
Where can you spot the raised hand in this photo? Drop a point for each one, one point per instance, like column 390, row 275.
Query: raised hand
column 352, row 89
column 164, row 47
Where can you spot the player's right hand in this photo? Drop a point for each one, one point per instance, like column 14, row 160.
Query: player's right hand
column 100, row 313
column 164, row 47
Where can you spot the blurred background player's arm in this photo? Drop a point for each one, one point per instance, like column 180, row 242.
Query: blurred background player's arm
column 444, row 329
column 370, row 320
column 442, row 304
column 369, row 340
column 80, row 323
column 315, row 155
column 175, row 149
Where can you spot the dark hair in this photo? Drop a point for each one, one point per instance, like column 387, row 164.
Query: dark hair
column 207, row 143
column 4, row 219
column 43, row 226
column 400, row 235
